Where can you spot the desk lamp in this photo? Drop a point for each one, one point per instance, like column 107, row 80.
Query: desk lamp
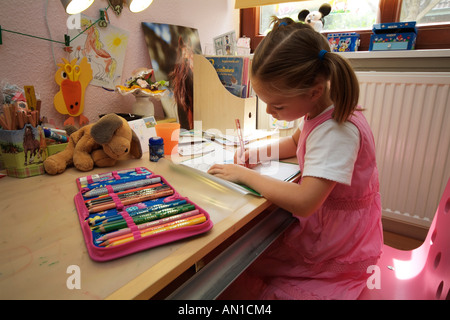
column 77, row 6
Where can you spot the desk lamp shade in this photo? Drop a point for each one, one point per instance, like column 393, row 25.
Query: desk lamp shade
column 139, row 5
column 76, row 6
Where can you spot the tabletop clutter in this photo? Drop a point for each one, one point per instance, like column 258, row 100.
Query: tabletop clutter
column 24, row 141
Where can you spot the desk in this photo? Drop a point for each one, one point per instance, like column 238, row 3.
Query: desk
column 41, row 237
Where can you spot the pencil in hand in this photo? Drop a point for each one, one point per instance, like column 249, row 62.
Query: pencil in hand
column 241, row 143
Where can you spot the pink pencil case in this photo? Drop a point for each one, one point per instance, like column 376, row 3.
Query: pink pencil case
column 96, row 206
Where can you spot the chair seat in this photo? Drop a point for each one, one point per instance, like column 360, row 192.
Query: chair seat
column 393, row 285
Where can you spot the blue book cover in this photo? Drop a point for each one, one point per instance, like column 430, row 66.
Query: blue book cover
column 232, row 72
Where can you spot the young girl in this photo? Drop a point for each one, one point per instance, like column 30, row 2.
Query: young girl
column 337, row 235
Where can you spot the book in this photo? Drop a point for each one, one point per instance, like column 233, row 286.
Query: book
column 233, row 72
column 280, row 170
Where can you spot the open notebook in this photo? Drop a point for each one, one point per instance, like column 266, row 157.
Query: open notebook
column 277, row 169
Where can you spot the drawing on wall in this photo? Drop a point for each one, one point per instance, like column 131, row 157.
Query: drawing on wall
column 171, row 49
column 104, row 49
column 225, row 44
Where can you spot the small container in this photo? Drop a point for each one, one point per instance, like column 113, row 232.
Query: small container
column 343, row 42
column 156, row 148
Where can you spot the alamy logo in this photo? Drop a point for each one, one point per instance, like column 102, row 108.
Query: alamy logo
column 74, row 21
column 374, row 281
column 74, row 280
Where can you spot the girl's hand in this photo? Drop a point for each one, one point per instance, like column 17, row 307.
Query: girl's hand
column 248, row 160
column 231, row 172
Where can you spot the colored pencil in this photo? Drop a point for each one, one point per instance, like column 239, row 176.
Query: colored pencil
column 101, row 176
column 146, row 225
column 143, row 218
column 241, row 139
column 90, row 200
column 125, row 195
column 121, row 187
column 111, row 181
column 163, row 229
column 110, row 204
column 132, row 200
column 133, row 211
column 116, row 225
column 148, row 229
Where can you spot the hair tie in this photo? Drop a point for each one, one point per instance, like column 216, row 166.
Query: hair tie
column 322, row 54
column 283, row 23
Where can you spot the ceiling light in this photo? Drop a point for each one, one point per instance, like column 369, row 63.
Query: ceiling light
column 139, row 5
column 76, row 6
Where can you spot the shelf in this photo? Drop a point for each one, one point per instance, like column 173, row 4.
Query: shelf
column 215, row 106
column 404, row 54
column 435, row 60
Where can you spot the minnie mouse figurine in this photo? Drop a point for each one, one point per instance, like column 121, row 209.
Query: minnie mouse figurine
column 315, row 18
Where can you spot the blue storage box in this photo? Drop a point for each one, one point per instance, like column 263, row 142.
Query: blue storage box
column 393, row 36
column 343, row 42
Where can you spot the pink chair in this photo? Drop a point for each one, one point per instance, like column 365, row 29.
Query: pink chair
column 422, row 273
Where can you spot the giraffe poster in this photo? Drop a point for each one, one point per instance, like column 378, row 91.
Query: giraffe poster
column 104, row 49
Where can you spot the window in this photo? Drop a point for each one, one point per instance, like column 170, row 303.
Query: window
column 345, row 15
column 425, row 12
column 432, row 16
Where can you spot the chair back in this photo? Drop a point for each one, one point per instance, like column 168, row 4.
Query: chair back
column 436, row 278
column 422, row 273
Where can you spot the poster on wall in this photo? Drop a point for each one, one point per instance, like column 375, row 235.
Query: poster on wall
column 225, row 44
column 104, row 49
column 171, row 49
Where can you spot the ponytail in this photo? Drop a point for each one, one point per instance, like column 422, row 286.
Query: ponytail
column 344, row 86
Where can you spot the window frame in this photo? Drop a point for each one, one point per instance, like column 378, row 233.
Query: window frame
column 433, row 36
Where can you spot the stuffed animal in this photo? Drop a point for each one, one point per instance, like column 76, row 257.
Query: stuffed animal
column 315, row 18
column 100, row 144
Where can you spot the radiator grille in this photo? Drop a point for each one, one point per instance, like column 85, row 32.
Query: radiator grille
column 409, row 114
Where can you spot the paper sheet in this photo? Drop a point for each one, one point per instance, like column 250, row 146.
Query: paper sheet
column 279, row 170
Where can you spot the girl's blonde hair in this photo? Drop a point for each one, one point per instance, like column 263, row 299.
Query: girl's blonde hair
column 288, row 61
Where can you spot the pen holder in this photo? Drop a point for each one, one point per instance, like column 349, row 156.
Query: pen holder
column 23, row 151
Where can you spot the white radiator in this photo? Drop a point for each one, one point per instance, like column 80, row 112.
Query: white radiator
column 409, row 114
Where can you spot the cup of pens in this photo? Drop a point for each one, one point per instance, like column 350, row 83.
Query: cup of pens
column 22, row 142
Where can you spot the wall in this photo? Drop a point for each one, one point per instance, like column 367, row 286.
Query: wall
column 29, row 61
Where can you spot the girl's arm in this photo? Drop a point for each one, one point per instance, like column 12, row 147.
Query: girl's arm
column 284, row 148
column 300, row 199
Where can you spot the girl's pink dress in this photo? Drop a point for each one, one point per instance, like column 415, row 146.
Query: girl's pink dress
column 326, row 255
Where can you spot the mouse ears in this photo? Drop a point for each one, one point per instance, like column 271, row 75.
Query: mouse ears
column 324, row 9
column 302, row 15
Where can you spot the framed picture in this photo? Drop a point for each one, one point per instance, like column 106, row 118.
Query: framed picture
column 171, row 49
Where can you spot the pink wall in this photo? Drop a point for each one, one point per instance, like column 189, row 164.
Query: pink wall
column 28, row 61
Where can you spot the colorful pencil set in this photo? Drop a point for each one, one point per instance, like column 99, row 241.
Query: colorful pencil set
column 134, row 209
column 15, row 117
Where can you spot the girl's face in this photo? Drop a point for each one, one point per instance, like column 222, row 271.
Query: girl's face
column 281, row 107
